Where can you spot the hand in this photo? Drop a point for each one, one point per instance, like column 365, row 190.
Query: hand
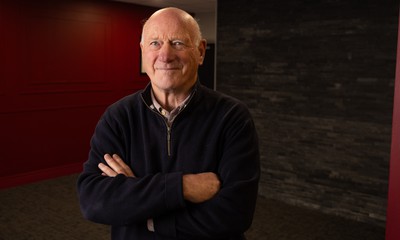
column 198, row 188
column 115, row 166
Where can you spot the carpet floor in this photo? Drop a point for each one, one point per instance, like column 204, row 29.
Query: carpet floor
column 49, row 210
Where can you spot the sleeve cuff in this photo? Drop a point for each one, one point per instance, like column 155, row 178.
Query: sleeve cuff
column 173, row 191
column 165, row 225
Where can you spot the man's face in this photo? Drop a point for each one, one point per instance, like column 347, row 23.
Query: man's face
column 169, row 55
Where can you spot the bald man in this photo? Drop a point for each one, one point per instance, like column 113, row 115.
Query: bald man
column 175, row 160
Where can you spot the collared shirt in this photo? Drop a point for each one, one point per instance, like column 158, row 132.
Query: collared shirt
column 169, row 116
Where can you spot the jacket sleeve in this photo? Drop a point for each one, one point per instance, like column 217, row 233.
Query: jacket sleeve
column 123, row 200
column 230, row 212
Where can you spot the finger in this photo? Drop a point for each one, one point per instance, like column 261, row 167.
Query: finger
column 114, row 165
column 118, row 165
column 107, row 171
column 126, row 169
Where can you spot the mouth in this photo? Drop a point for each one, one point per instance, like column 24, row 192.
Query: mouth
column 167, row 68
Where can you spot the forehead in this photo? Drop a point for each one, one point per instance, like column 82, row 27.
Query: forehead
column 168, row 27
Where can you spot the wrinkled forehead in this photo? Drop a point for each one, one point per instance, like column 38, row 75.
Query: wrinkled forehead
column 160, row 33
column 168, row 27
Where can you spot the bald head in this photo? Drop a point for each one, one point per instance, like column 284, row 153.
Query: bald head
column 177, row 17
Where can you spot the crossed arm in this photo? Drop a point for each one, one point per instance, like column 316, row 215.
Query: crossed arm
column 197, row 188
column 227, row 200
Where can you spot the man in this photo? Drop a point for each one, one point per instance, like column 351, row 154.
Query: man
column 176, row 160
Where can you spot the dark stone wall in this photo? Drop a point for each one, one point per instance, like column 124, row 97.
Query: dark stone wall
column 318, row 77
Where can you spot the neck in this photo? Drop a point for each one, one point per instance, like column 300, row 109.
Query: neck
column 169, row 100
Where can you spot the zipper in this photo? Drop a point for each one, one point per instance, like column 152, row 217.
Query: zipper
column 168, row 133
column 166, row 123
column 168, row 140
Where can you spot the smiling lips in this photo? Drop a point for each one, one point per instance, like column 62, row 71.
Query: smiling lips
column 167, row 68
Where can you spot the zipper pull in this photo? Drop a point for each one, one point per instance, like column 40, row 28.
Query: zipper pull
column 169, row 141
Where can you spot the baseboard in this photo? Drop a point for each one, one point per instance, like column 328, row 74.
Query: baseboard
column 39, row 175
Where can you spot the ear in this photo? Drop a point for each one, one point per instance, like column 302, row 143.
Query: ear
column 202, row 51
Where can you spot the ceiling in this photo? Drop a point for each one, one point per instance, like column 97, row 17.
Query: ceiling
column 195, row 6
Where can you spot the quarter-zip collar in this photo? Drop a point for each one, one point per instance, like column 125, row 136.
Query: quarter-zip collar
column 150, row 101
column 146, row 95
column 169, row 116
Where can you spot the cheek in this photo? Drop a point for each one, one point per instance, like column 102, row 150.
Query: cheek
column 148, row 60
column 196, row 58
column 146, row 56
column 194, row 63
column 191, row 60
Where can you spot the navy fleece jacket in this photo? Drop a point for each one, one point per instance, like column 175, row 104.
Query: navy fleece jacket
column 213, row 133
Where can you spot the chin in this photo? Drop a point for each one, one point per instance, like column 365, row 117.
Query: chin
column 165, row 85
column 168, row 80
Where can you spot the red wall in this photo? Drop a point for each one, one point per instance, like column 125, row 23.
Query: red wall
column 393, row 209
column 61, row 64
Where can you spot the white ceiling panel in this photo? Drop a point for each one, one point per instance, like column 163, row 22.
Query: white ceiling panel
column 195, row 6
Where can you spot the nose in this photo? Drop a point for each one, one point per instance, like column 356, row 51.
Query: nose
column 166, row 53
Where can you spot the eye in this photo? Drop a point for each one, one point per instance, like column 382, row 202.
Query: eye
column 177, row 44
column 155, row 44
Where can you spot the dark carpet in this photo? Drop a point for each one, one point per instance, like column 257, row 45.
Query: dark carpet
column 49, row 210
